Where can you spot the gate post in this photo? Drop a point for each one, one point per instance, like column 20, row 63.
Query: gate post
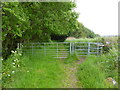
column 101, row 50
column 70, row 48
column 88, row 48
column 73, row 48
column 97, row 49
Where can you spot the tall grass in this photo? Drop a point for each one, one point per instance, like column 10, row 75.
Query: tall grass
column 71, row 58
column 36, row 72
column 93, row 73
column 90, row 74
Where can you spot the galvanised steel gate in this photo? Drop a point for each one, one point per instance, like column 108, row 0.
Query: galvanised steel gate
column 62, row 49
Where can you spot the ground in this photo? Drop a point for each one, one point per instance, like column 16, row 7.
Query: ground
column 71, row 80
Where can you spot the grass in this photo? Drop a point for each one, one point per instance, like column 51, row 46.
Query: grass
column 71, row 58
column 94, row 71
column 35, row 71
column 90, row 75
column 38, row 72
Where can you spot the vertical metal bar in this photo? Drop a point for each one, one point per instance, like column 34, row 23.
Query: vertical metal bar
column 97, row 48
column 70, row 48
column 88, row 48
column 101, row 50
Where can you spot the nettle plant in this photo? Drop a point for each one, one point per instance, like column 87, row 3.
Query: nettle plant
column 11, row 65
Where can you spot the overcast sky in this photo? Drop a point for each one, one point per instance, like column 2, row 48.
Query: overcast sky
column 101, row 16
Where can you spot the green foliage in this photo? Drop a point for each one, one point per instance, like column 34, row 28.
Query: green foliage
column 95, row 70
column 37, row 71
column 35, row 21
column 82, row 32
column 86, row 40
column 10, row 67
column 90, row 75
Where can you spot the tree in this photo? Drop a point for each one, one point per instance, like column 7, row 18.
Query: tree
column 82, row 32
column 35, row 21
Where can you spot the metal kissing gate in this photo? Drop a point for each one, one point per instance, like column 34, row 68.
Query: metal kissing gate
column 62, row 49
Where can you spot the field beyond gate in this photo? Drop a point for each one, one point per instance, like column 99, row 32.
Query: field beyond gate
column 62, row 49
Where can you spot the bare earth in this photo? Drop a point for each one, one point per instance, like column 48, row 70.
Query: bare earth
column 71, row 81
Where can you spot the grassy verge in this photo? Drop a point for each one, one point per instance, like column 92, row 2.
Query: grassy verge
column 36, row 72
column 93, row 73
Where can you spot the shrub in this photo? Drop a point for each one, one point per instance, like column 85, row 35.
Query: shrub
column 10, row 66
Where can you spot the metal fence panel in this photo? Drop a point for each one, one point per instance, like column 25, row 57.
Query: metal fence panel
column 62, row 49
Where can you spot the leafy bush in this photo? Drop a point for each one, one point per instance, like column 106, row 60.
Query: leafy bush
column 11, row 66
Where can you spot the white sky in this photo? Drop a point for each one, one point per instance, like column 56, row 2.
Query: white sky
column 101, row 16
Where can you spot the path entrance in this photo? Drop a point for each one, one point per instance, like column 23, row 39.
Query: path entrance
column 71, row 80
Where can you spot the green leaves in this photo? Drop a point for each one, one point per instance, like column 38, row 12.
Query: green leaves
column 36, row 21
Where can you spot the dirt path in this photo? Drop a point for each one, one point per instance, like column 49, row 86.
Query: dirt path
column 71, row 80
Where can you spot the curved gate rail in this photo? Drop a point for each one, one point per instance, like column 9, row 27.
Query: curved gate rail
column 62, row 49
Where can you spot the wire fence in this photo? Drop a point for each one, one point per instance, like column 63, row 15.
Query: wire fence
column 62, row 49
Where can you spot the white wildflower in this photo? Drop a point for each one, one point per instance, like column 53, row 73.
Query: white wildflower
column 12, row 51
column 13, row 71
column 114, row 82
column 2, row 59
column 13, row 63
column 8, row 74
column 14, row 60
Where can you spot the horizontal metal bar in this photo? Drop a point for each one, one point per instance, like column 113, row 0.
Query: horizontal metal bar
column 61, row 42
column 81, row 49
column 82, row 52
column 81, row 46
column 93, row 52
column 95, row 48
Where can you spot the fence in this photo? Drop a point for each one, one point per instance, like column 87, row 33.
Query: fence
column 62, row 49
